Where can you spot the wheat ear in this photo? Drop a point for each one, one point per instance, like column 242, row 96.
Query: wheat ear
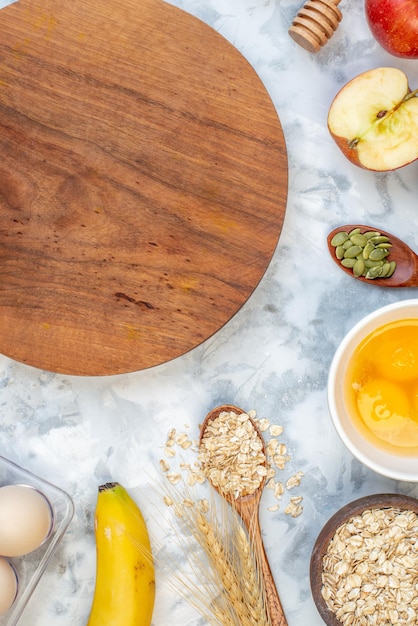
column 248, row 611
column 255, row 596
column 221, row 563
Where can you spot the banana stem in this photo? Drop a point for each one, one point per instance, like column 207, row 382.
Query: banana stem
column 107, row 486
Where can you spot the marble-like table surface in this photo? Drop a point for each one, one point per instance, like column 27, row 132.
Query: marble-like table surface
column 273, row 356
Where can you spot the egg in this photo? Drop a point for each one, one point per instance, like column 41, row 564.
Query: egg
column 8, row 585
column 26, row 519
column 381, row 387
column 396, row 352
column 384, row 407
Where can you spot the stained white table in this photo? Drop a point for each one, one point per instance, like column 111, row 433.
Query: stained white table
column 273, row 356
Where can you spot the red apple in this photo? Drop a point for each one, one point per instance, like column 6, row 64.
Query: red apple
column 374, row 120
column 394, row 24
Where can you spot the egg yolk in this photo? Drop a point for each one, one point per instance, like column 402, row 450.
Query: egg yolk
column 381, row 387
column 384, row 408
column 415, row 398
column 397, row 355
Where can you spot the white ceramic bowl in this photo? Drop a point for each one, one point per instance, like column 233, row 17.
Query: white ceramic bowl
column 390, row 465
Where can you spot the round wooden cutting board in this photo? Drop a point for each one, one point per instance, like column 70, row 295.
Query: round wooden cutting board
column 143, row 183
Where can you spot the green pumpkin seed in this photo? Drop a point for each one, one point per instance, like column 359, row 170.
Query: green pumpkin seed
column 355, row 231
column 384, row 245
column 392, row 269
column 374, row 272
column 377, row 254
column 352, row 252
column 367, row 249
column 339, row 238
column 347, row 244
column 358, row 267
column 385, row 270
column 368, row 263
column 339, row 252
column 371, row 233
column 348, row 263
column 379, row 239
column 359, row 240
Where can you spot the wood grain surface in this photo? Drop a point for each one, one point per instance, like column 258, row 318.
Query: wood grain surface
column 143, row 183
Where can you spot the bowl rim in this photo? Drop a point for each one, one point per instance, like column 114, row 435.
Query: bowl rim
column 342, row 515
column 361, row 325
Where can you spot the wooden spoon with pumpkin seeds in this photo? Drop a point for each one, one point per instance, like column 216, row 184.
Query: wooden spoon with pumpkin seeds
column 362, row 240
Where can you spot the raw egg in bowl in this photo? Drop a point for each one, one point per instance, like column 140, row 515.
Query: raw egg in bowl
column 373, row 390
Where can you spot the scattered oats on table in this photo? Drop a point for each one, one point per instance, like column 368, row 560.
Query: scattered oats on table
column 294, row 481
column 233, row 457
column 294, row 508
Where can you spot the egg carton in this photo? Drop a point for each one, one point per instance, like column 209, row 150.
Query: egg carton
column 30, row 568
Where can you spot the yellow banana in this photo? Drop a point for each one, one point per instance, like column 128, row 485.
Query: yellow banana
column 125, row 579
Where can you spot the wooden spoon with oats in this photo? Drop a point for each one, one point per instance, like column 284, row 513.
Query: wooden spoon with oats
column 227, row 432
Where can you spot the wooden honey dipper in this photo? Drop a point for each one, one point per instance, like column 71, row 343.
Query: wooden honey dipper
column 315, row 23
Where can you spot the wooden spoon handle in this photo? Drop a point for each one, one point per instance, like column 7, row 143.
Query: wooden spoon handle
column 249, row 515
column 275, row 609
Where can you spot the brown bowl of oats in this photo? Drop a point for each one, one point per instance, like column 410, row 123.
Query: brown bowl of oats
column 364, row 564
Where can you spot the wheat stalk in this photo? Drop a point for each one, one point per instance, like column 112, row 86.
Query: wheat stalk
column 224, row 566
column 253, row 584
column 228, row 566
column 220, row 577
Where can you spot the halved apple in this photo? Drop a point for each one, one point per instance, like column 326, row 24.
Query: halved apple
column 374, row 120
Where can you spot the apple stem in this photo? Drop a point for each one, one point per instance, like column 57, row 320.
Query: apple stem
column 410, row 95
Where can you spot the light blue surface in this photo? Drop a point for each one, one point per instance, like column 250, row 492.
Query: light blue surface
column 273, row 356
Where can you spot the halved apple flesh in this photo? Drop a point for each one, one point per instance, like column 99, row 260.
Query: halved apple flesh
column 372, row 122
